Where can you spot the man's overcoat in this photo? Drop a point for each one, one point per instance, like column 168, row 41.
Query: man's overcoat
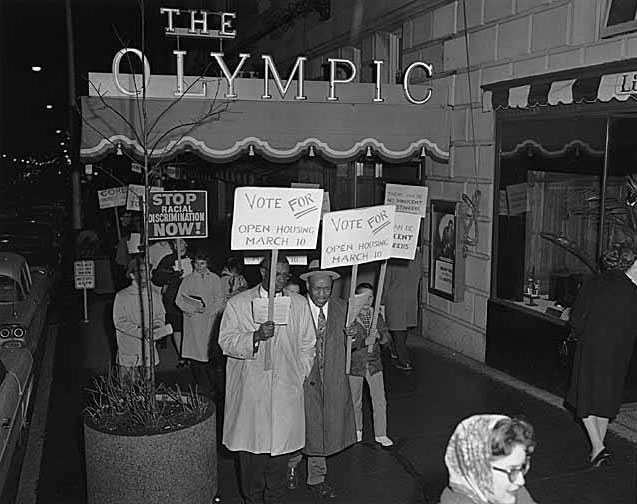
column 264, row 409
column 329, row 413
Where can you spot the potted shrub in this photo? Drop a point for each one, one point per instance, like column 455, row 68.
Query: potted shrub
column 139, row 452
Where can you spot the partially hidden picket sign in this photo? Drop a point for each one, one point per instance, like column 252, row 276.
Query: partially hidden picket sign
column 407, row 198
column 357, row 236
column 113, row 197
column 406, row 228
column 267, row 218
column 135, row 194
column 177, row 214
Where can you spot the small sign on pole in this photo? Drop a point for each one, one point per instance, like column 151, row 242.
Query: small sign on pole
column 84, row 274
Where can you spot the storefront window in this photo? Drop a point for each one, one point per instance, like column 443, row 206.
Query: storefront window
column 551, row 180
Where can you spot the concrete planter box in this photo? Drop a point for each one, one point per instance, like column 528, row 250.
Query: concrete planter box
column 177, row 466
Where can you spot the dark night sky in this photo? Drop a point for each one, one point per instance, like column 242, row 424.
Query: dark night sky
column 33, row 32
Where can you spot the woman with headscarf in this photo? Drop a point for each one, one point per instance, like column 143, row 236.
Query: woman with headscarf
column 604, row 321
column 487, row 458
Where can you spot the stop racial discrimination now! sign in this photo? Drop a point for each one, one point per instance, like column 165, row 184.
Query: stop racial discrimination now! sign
column 177, row 214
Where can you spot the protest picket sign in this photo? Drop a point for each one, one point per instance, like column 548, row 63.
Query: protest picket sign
column 113, row 198
column 135, row 194
column 84, row 276
column 273, row 218
column 267, row 218
column 177, row 214
column 357, row 236
column 406, row 228
column 407, row 198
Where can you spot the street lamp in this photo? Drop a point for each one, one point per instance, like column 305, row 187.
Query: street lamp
column 49, row 107
column 36, row 68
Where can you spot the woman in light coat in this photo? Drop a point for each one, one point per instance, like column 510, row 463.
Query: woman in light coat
column 201, row 298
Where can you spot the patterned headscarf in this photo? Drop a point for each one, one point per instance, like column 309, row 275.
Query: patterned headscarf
column 468, row 457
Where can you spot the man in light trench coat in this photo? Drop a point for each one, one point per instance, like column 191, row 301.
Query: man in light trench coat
column 264, row 409
column 329, row 411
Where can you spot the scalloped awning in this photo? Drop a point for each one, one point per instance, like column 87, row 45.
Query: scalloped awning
column 281, row 130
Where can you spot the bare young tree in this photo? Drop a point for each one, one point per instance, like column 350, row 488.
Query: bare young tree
column 148, row 136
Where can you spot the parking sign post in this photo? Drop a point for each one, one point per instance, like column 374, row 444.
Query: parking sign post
column 84, row 279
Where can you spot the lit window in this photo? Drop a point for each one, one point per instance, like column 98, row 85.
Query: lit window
column 620, row 17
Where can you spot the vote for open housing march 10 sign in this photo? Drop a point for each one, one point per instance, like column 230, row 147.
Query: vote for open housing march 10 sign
column 177, row 214
column 357, row 236
column 276, row 218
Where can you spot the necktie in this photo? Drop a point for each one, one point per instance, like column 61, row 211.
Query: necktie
column 320, row 338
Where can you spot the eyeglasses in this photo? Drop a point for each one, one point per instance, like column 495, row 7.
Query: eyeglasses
column 279, row 274
column 514, row 473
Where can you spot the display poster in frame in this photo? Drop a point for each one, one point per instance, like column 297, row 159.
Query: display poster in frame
column 445, row 254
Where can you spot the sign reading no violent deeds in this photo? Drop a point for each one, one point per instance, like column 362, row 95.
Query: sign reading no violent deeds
column 177, row 214
column 267, row 218
column 357, row 236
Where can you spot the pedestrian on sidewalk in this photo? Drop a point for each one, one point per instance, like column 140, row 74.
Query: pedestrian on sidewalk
column 232, row 279
column 400, row 298
column 329, row 412
column 264, row 417
column 487, row 458
column 368, row 366
column 604, row 321
column 168, row 275
column 201, row 298
column 130, row 319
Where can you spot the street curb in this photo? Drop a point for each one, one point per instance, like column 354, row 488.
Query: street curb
column 624, row 426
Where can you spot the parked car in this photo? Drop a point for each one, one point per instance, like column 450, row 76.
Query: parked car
column 17, row 378
column 25, row 294
column 24, row 299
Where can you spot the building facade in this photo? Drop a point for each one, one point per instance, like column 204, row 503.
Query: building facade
column 473, row 46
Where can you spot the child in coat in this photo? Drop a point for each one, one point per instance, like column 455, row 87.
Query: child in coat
column 367, row 365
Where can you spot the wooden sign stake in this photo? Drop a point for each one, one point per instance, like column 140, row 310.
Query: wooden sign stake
column 119, row 232
column 352, row 292
column 85, row 305
column 379, row 292
column 267, row 344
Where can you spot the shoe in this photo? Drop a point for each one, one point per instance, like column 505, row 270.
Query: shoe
column 602, row 459
column 359, row 436
column 384, row 441
column 291, row 479
column 217, row 499
column 405, row 367
column 322, row 491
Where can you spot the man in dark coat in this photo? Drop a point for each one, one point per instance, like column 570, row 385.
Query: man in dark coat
column 329, row 414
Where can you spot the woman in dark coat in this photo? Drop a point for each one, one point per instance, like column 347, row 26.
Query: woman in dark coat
column 604, row 319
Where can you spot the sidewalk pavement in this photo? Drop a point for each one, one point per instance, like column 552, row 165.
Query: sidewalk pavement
column 424, row 407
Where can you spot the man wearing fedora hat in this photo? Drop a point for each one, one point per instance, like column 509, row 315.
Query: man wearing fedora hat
column 329, row 414
column 264, row 415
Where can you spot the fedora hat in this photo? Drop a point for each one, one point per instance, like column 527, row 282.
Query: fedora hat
column 314, row 268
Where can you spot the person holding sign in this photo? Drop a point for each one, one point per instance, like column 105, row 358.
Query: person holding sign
column 368, row 366
column 264, row 417
column 400, row 297
column 129, row 318
column 329, row 411
column 201, row 298
column 168, row 275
